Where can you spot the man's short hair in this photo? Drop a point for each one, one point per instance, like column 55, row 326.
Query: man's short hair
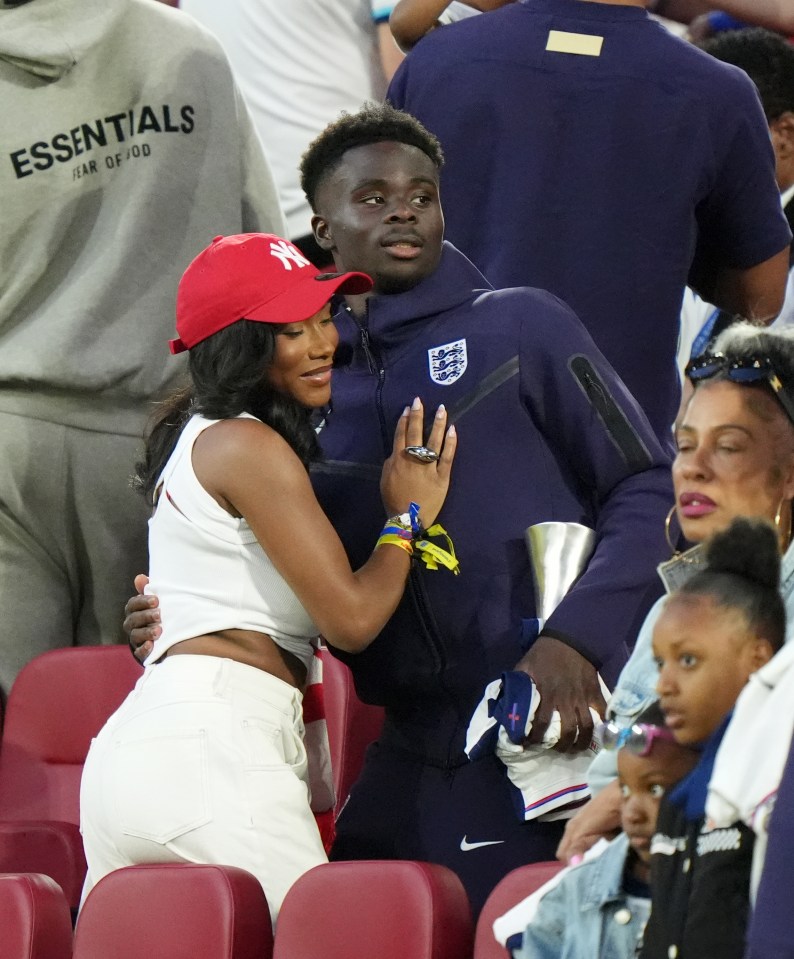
column 766, row 57
column 374, row 123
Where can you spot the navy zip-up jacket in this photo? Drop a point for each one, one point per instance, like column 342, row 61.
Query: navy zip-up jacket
column 547, row 431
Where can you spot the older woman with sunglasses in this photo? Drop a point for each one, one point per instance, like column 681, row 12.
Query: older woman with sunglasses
column 735, row 440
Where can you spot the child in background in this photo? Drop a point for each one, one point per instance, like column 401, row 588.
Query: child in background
column 598, row 909
column 410, row 20
column 724, row 623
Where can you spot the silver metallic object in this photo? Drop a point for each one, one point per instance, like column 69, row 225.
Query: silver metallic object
column 681, row 567
column 558, row 554
column 421, row 453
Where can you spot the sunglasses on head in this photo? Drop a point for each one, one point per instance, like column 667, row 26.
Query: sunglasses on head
column 742, row 370
column 638, row 739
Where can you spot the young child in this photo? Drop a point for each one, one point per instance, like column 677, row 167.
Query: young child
column 410, row 20
column 727, row 621
column 598, row 909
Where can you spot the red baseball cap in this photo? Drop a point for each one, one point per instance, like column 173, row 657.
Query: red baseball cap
column 252, row 276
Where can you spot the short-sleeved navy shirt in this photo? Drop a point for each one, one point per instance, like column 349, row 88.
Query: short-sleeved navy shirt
column 606, row 178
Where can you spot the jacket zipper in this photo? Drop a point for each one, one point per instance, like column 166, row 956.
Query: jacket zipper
column 415, row 588
column 375, row 364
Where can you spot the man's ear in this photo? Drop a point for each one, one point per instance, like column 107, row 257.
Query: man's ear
column 783, row 126
column 781, row 130
column 322, row 233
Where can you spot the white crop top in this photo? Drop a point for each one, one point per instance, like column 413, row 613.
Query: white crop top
column 208, row 569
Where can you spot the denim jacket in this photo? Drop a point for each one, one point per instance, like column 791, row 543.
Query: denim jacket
column 636, row 686
column 587, row 915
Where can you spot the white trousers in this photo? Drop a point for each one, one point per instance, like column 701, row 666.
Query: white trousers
column 203, row 762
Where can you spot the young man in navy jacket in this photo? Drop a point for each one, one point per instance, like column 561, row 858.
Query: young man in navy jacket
column 547, row 432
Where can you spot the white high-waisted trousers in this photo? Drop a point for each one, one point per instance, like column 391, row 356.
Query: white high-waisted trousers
column 203, row 762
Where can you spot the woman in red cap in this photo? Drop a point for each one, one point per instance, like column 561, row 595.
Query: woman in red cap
column 205, row 760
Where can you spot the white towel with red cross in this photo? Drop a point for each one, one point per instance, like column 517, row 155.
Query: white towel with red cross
column 548, row 784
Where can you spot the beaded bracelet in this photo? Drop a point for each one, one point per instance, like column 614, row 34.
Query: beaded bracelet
column 399, row 531
column 406, row 532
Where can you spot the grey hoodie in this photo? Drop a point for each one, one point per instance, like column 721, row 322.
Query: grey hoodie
column 124, row 149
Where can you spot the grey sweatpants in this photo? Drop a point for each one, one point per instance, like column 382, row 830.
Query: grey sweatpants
column 72, row 536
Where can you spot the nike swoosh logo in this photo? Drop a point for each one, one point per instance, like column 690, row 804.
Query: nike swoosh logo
column 466, row 846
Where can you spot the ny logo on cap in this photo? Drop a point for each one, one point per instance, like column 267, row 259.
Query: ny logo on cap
column 286, row 252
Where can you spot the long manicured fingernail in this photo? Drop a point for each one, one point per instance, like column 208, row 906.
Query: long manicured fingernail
column 417, row 404
column 441, row 411
column 452, row 431
column 406, row 411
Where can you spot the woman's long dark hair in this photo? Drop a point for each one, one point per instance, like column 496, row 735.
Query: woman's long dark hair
column 229, row 376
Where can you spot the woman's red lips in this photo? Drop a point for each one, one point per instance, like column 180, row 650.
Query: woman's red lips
column 696, row 504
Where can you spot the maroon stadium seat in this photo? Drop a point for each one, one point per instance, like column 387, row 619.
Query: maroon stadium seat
column 34, row 918
column 175, row 911
column 515, row 886
column 388, row 910
column 59, row 702
column 352, row 725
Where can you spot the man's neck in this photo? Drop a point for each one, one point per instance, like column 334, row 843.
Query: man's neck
column 357, row 304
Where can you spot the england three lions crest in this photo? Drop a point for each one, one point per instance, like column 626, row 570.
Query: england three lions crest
column 448, row 362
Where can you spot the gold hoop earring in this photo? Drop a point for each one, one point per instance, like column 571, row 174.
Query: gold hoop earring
column 784, row 539
column 668, row 519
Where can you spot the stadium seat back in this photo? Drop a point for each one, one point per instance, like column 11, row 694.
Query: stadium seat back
column 388, row 910
column 59, row 702
column 34, row 918
column 515, row 886
column 175, row 911
column 352, row 725
column 52, row 848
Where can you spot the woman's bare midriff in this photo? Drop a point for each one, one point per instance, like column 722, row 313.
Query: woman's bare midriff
column 248, row 647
